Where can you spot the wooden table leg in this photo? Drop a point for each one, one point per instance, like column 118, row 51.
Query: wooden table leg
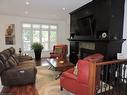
column 58, row 76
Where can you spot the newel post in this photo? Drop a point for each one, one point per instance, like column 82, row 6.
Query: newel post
column 92, row 79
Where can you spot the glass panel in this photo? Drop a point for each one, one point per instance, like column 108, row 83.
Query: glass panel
column 44, row 36
column 45, row 46
column 45, row 26
column 53, row 27
column 27, row 46
column 36, row 26
column 36, row 36
column 31, row 32
column 51, row 45
column 53, row 36
column 26, row 25
column 27, row 36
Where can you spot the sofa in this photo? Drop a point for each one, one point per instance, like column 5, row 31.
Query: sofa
column 77, row 83
column 14, row 72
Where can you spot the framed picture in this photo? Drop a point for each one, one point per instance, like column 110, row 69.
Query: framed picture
column 10, row 35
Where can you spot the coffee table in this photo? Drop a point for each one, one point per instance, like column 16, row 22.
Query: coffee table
column 60, row 65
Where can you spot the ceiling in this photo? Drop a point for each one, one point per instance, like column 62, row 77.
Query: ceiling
column 40, row 8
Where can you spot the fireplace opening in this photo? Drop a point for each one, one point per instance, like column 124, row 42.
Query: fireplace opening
column 85, row 52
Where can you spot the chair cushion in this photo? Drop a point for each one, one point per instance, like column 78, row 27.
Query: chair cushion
column 58, row 50
column 75, row 70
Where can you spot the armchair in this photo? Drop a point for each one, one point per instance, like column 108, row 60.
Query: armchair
column 59, row 51
column 78, row 83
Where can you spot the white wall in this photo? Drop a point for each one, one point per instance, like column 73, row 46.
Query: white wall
column 124, row 46
column 63, row 30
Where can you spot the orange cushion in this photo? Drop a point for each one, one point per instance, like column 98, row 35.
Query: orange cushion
column 58, row 50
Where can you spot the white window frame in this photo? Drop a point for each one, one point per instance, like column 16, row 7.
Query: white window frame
column 40, row 29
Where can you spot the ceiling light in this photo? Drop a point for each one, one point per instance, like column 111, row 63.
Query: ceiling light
column 64, row 9
column 27, row 3
column 26, row 12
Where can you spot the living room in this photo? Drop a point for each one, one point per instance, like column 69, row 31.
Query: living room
column 32, row 12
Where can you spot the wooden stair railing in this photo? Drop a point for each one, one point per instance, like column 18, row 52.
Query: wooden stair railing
column 92, row 79
column 109, row 74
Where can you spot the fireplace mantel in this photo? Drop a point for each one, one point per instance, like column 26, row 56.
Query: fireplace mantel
column 95, row 40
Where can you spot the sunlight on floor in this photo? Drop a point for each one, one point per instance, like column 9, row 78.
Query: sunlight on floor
column 45, row 64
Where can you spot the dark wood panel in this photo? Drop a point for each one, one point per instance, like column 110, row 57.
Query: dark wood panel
column 107, row 16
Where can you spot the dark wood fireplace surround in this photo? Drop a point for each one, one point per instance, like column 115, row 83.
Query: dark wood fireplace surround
column 107, row 16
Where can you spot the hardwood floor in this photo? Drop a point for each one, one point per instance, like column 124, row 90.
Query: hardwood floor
column 42, row 62
column 20, row 90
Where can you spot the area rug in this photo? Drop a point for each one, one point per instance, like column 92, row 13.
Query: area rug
column 46, row 83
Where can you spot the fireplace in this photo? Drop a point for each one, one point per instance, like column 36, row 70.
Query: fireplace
column 82, row 48
column 85, row 52
column 86, row 48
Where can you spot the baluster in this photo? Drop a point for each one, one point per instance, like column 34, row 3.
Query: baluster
column 111, row 78
column 120, row 79
column 126, row 83
column 102, row 74
column 123, row 78
column 116, row 86
column 98, row 78
column 114, row 80
column 106, row 77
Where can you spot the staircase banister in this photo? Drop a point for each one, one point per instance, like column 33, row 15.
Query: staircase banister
column 119, row 61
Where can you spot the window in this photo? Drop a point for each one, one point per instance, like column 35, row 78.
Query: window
column 43, row 33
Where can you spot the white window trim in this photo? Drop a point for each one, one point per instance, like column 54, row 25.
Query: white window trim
column 41, row 29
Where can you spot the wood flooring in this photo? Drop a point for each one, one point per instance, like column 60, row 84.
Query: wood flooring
column 20, row 90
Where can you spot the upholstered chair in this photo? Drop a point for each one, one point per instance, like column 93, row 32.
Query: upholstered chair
column 59, row 51
column 76, row 79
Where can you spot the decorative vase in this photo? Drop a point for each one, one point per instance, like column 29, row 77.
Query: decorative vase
column 37, row 54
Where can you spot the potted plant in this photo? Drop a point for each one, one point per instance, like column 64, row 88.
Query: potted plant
column 37, row 47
